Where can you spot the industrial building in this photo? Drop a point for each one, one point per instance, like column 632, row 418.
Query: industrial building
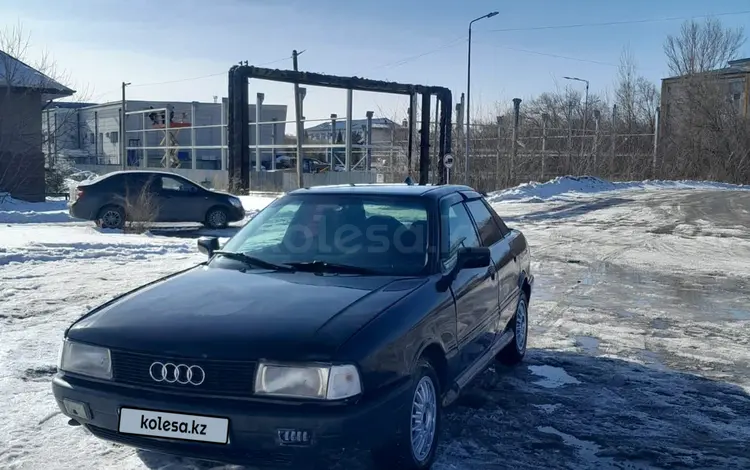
column 89, row 134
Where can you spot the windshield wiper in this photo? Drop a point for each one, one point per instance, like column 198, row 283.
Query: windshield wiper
column 252, row 260
column 318, row 266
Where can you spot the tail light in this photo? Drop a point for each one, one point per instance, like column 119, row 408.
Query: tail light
column 79, row 193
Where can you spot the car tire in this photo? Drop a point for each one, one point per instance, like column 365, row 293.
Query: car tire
column 514, row 353
column 216, row 218
column 401, row 453
column 111, row 217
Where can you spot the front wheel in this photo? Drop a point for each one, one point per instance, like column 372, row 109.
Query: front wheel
column 415, row 445
column 514, row 353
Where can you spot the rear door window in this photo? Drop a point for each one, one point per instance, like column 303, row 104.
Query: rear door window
column 488, row 230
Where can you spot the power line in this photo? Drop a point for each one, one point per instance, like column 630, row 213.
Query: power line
column 408, row 59
column 557, row 56
column 615, row 23
column 177, row 81
column 456, row 41
column 204, row 76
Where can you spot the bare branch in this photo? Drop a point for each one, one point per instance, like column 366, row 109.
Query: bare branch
column 702, row 47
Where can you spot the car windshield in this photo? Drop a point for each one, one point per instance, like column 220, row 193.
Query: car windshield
column 372, row 234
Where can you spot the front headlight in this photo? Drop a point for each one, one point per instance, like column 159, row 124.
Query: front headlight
column 318, row 382
column 85, row 359
column 235, row 202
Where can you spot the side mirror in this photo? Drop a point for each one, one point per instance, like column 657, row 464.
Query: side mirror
column 207, row 245
column 473, row 257
column 466, row 258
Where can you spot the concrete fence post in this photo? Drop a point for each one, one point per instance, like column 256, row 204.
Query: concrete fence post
column 514, row 144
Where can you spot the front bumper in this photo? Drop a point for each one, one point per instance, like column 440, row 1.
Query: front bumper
column 236, row 214
column 254, row 428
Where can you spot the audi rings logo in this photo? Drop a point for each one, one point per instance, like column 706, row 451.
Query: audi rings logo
column 179, row 373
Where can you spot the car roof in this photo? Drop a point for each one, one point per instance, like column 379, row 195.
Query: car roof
column 147, row 172
column 379, row 189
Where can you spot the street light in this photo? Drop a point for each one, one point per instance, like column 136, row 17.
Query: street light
column 468, row 94
column 123, row 130
column 585, row 104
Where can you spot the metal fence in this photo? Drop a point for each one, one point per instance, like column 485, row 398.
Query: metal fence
column 501, row 156
column 504, row 153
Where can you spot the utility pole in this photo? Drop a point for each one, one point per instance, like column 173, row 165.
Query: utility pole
column 300, row 127
column 585, row 110
column 657, row 119
column 123, row 148
column 467, row 109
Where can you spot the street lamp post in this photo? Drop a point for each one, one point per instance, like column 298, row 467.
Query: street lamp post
column 123, row 129
column 468, row 93
column 585, row 106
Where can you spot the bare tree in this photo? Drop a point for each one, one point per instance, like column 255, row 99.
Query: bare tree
column 708, row 136
column 626, row 91
column 135, row 212
column 701, row 47
column 25, row 91
column 636, row 99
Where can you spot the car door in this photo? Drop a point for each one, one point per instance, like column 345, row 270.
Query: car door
column 181, row 201
column 491, row 235
column 135, row 193
column 511, row 289
column 474, row 290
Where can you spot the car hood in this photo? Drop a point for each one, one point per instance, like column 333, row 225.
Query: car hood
column 223, row 313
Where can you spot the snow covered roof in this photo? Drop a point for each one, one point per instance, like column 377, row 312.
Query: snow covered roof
column 15, row 73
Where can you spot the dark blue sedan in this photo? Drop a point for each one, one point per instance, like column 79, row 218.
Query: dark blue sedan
column 343, row 316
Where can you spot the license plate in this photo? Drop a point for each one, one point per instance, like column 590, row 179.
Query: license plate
column 174, row 425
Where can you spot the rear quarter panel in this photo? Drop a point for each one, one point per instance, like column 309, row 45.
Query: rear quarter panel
column 520, row 248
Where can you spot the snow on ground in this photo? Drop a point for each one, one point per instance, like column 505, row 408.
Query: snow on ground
column 14, row 211
column 639, row 345
column 572, row 186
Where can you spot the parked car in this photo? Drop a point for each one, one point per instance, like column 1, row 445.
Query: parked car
column 152, row 196
column 339, row 316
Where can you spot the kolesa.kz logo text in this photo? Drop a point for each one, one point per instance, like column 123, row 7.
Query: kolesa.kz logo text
column 173, row 426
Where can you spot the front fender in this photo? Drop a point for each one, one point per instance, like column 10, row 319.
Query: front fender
column 387, row 348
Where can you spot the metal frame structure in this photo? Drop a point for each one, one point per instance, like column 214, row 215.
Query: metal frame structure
column 238, row 142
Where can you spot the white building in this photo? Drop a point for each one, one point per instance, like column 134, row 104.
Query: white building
column 383, row 131
column 90, row 134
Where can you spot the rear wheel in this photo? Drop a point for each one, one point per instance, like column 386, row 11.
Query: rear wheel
column 112, row 217
column 217, row 217
column 415, row 444
column 514, row 353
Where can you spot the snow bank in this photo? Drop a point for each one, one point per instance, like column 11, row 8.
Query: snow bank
column 15, row 211
column 570, row 186
column 79, row 177
column 254, row 203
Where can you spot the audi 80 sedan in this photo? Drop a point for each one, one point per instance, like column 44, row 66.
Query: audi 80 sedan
column 338, row 317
